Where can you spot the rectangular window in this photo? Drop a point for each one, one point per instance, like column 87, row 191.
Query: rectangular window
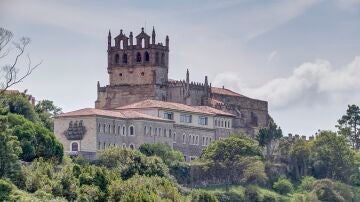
column 99, row 145
column 185, row 118
column 169, row 115
column 203, row 120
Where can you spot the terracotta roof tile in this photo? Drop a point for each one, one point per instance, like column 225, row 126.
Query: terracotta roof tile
column 225, row 91
column 124, row 114
column 213, row 110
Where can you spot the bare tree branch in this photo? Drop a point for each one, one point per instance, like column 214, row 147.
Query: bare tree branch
column 11, row 73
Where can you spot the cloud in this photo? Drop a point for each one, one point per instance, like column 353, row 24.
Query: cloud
column 311, row 83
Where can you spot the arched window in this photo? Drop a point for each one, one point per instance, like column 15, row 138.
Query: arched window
column 138, row 57
column 124, row 131
column 142, row 43
column 174, row 137
column 123, row 145
column 163, row 59
column 131, row 146
column 131, row 130
column 117, row 59
column 119, row 129
column 157, row 59
column 121, row 44
column 184, row 138
column 104, row 128
column 74, row 146
column 124, row 58
column 147, row 57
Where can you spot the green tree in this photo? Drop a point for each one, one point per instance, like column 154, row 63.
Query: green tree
column 46, row 111
column 332, row 157
column 9, row 151
column 163, row 151
column 283, row 186
column 349, row 125
column 202, row 196
column 267, row 138
column 300, row 158
column 5, row 189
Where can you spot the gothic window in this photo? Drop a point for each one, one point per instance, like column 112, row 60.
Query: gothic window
column 147, row 57
column 123, row 131
column 124, row 58
column 157, row 58
column 163, row 59
column 174, row 137
column 145, row 130
column 131, row 130
column 99, row 146
column 99, row 127
column 121, row 44
column 138, row 57
column 113, row 131
column 119, row 129
column 117, row 59
column 131, row 146
column 104, row 128
column 184, row 138
column 74, row 146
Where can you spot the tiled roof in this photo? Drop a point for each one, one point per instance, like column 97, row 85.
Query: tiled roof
column 174, row 106
column 164, row 105
column 213, row 110
column 124, row 114
column 225, row 91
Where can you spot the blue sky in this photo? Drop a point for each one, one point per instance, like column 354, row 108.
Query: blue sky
column 302, row 56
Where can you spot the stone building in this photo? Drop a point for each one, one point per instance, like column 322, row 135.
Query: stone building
column 139, row 71
column 142, row 105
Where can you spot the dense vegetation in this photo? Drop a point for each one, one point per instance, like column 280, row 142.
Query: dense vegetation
column 267, row 168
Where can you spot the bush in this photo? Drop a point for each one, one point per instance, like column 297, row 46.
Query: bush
column 5, row 189
column 230, row 196
column 269, row 198
column 252, row 194
column 283, row 186
column 202, row 196
column 307, row 184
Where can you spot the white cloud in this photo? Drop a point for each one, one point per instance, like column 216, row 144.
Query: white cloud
column 310, row 83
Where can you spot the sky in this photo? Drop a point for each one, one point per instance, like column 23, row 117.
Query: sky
column 302, row 56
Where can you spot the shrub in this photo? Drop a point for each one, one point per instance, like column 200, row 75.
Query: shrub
column 283, row 186
column 5, row 189
column 307, row 184
column 230, row 196
column 202, row 196
column 252, row 194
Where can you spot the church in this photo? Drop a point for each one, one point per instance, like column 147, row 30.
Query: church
column 140, row 104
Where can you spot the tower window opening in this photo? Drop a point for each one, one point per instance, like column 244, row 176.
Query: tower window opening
column 117, row 59
column 162, row 59
column 138, row 57
column 142, row 43
column 147, row 57
column 121, row 44
column 124, row 59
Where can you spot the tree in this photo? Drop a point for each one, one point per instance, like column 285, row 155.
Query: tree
column 202, row 196
column 283, row 186
column 46, row 111
column 163, row 151
column 267, row 138
column 9, row 151
column 300, row 158
column 349, row 125
column 331, row 157
column 11, row 74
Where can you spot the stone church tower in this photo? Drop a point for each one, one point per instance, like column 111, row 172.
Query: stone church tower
column 138, row 69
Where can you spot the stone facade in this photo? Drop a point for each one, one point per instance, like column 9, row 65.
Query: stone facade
column 140, row 71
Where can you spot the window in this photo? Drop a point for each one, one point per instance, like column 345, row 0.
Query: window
column 121, row 44
column 164, row 132
column 117, row 59
column 203, row 141
column 99, row 127
column 120, row 74
column 138, row 57
column 162, row 59
column 124, row 58
column 170, row 134
column 174, row 137
column 123, row 145
column 131, row 130
column 222, row 123
column 124, row 131
column 193, row 139
column 216, row 122
column 203, row 120
column 155, row 133
column 74, row 146
column 185, row 118
column 157, row 58
column 145, row 128
column 142, row 43
column 147, row 57
column 131, row 146
column 184, row 139
column 119, row 129
column 99, row 146
column 104, row 128
column 114, row 131
column 150, row 130
column 109, row 128
column 197, row 140
column 104, row 145
column 169, row 115
column 142, row 73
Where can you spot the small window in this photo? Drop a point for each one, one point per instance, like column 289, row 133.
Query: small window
column 185, row 118
column 117, row 59
column 131, row 130
column 147, row 57
column 157, row 59
column 142, row 43
column 124, row 131
column 203, row 141
column 104, row 128
column 131, row 146
column 124, row 59
column 203, row 120
column 150, row 131
column 114, row 131
column 104, row 145
column 142, row 73
column 162, row 59
column 99, row 146
column 169, row 115
column 124, row 146
column 174, row 137
column 145, row 128
column 120, row 75
column 184, row 139
column 170, row 134
column 99, row 127
column 119, row 129
column 138, row 57
column 74, row 146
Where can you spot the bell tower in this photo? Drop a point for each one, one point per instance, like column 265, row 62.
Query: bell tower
column 142, row 63
column 138, row 69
